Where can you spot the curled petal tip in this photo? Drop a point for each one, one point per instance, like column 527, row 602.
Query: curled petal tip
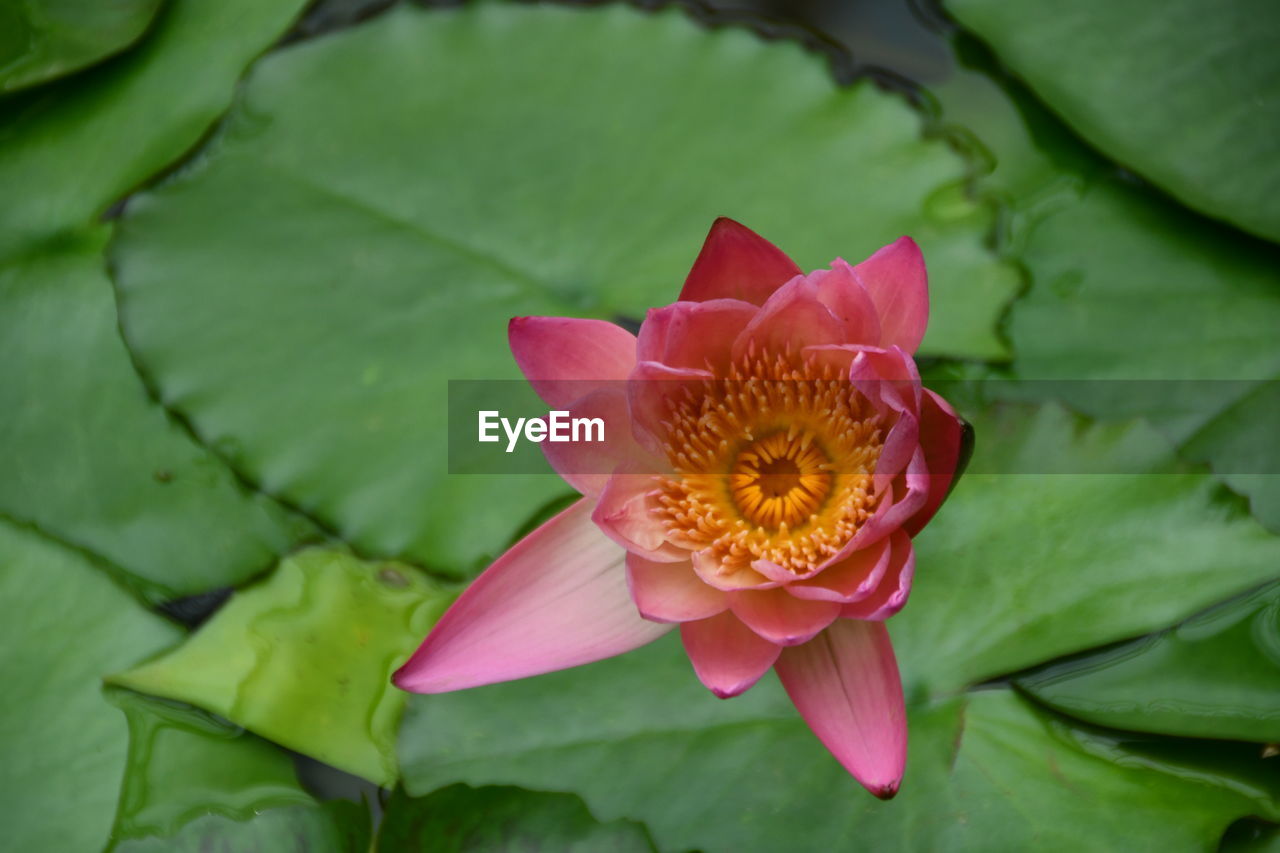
column 889, row 791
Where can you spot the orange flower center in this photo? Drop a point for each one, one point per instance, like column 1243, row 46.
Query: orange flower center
column 772, row 461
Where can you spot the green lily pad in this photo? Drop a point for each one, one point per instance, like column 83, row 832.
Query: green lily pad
column 1215, row 675
column 305, row 658
column 70, row 150
column 63, row 625
column 459, row 819
column 1186, row 93
column 986, row 770
column 194, row 782
column 44, row 39
column 90, row 459
column 352, row 241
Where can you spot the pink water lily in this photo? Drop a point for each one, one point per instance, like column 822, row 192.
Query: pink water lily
column 770, row 455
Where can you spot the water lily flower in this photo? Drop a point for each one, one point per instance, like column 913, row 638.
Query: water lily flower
column 777, row 453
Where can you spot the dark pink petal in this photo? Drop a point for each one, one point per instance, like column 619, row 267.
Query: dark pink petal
column 672, row 592
column 846, row 298
column 588, row 464
column 562, row 356
column 737, row 263
column 727, row 655
column 557, row 599
column 845, row 684
column 728, row 576
column 782, row 618
column 694, row 334
column 793, row 318
column 900, row 445
column 942, row 438
column 852, row 579
column 896, row 280
column 886, row 377
column 893, row 591
column 625, row 514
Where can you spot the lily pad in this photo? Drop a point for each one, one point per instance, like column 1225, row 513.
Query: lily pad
column 1167, row 91
column 305, row 658
column 1215, row 675
column 92, row 460
column 64, row 624
column 44, row 39
column 303, row 302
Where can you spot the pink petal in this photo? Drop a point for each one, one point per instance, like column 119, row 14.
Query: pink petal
column 588, row 465
column 625, row 514
column 845, row 684
column 721, row 576
column 557, row 599
column 896, row 280
column 694, row 334
column 942, row 438
column 650, row 386
column 852, row 579
column 782, row 618
column 793, row 318
column 737, row 263
column 671, row 592
column 846, row 298
column 727, row 655
column 563, row 356
column 893, row 591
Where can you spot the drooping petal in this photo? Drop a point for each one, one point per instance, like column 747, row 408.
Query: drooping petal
column 672, row 592
column 896, row 280
column 588, row 463
column 845, row 684
column 727, row 655
column 852, row 579
column 737, row 263
column 891, row 594
column 699, row 335
column 782, row 618
column 624, row 513
column 561, row 356
column 942, row 437
column 557, row 599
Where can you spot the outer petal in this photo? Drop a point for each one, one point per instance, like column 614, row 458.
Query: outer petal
column 781, row 618
column 557, row 599
column 942, row 437
column 672, row 592
column 892, row 593
column 852, row 579
column 727, row 655
column 588, row 465
column 559, row 355
column 737, row 263
column 845, row 684
column 896, row 280
column 699, row 335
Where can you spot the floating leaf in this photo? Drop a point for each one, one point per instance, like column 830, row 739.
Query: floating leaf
column 305, row 658
column 353, row 241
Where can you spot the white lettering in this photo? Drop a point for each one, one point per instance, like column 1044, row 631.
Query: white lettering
column 512, row 434
column 587, row 425
column 558, row 426
column 486, row 425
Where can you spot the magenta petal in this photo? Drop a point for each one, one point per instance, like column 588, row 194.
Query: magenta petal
column 892, row 592
column 845, row 684
column 727, row 655
column 737, row 263
column 782, row 618
column 562, row 356
column 557, row 599
column 672, row 592
column 941, row 437
column 896, row 280
column 699, row 335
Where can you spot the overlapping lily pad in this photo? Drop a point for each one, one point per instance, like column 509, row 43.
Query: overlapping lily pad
column 352, row 241
column 1186, row 92
column 305, row 658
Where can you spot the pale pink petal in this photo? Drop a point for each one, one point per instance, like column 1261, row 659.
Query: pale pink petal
column 942, row 437
column 892, row 593
column 782, row 618
column 793, row 318
column 846, row 298
column 672, row 592
column 694, row 334
column 852, row 579
column 563, row 357
column 557, row 599
column 727, row 655
column 845, row 684
column 587, row 464
column 724, row 576
column 896, row 280
column 737, row 263
column 625, row 513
